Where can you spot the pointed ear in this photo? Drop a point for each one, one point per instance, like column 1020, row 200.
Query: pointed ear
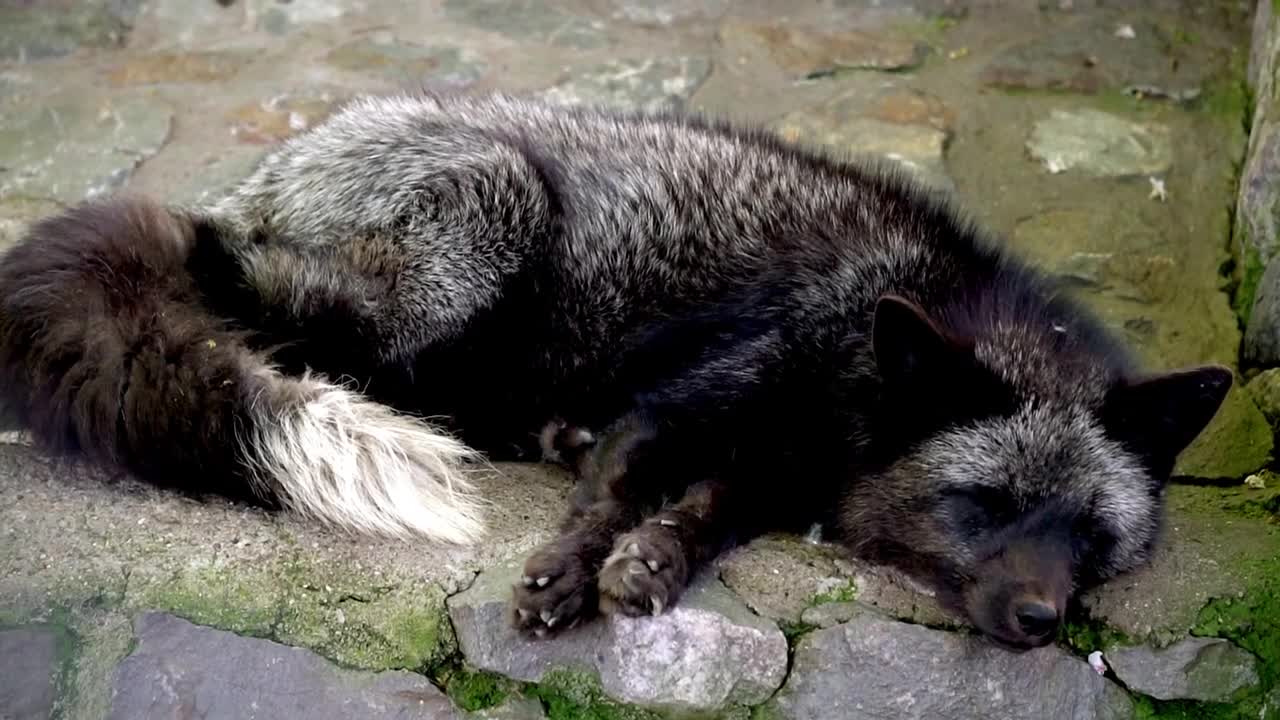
column 1162, row 414
column 908, row 345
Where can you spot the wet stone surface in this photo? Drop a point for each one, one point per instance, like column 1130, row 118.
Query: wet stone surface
column 179, row 667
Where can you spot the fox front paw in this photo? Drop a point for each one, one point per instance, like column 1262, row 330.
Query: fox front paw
column 556, row 591
column 646, row 573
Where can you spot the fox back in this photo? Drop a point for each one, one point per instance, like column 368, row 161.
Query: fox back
column 832, row 341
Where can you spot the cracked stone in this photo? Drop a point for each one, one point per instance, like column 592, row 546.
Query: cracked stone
column 178, row 667
column 403, row 63
column 75, row 146
column 28, row 670
column 841, row 126
column 779, row 577
column 706, row 653
column 808, row 53
column 830, row 614
column 782, row 578
column 1205, row 669
column 650, row 84
column 531, row 20
column 1100, row 144
column 873, row 667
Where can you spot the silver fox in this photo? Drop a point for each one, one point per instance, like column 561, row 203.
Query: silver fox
column 721, row 333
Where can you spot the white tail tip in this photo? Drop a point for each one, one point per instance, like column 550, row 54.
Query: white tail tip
column 344, row 460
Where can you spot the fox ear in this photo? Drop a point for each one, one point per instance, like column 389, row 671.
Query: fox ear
column 908, row 345
column 1162, row 414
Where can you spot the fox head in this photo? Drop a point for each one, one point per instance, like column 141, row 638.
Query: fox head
column 1028, row 462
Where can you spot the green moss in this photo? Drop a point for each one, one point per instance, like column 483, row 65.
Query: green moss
column 793, row 630
column 474, row 690
column 362, row 621
column 1146, row 708
column 227, row 599
column 1229, row 96
column 1251, row 270
column 66, row 647
column 352, row 618
column 844, row 592
column 1251, row 621
column 1236, row 443
column 1184, row 38
column 569, row 695
column 1083, row 635
column 767, row 711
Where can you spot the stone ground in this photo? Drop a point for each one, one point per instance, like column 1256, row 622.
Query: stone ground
column 1102, row 138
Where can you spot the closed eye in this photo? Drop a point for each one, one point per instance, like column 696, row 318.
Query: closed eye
column 977, row 509
column 1090, row 542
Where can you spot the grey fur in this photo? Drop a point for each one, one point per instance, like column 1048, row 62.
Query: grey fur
column 546, row 242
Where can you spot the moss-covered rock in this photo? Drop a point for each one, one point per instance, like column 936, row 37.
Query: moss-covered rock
column 1216, row 545
column 1237, row 442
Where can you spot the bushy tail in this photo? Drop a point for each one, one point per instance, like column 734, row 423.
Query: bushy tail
column 107, row 347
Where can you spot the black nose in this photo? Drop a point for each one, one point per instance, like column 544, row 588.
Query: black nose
column 1037, row 619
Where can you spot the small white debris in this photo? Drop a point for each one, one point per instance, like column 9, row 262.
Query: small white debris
column 341, row 616
column 1126, row 31
column 1055, row 164
column 814, row 536
column 1097, row 663
column 1158, row 191
column 1256, row 481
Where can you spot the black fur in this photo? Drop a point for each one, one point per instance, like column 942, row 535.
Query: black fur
column 753, row 336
